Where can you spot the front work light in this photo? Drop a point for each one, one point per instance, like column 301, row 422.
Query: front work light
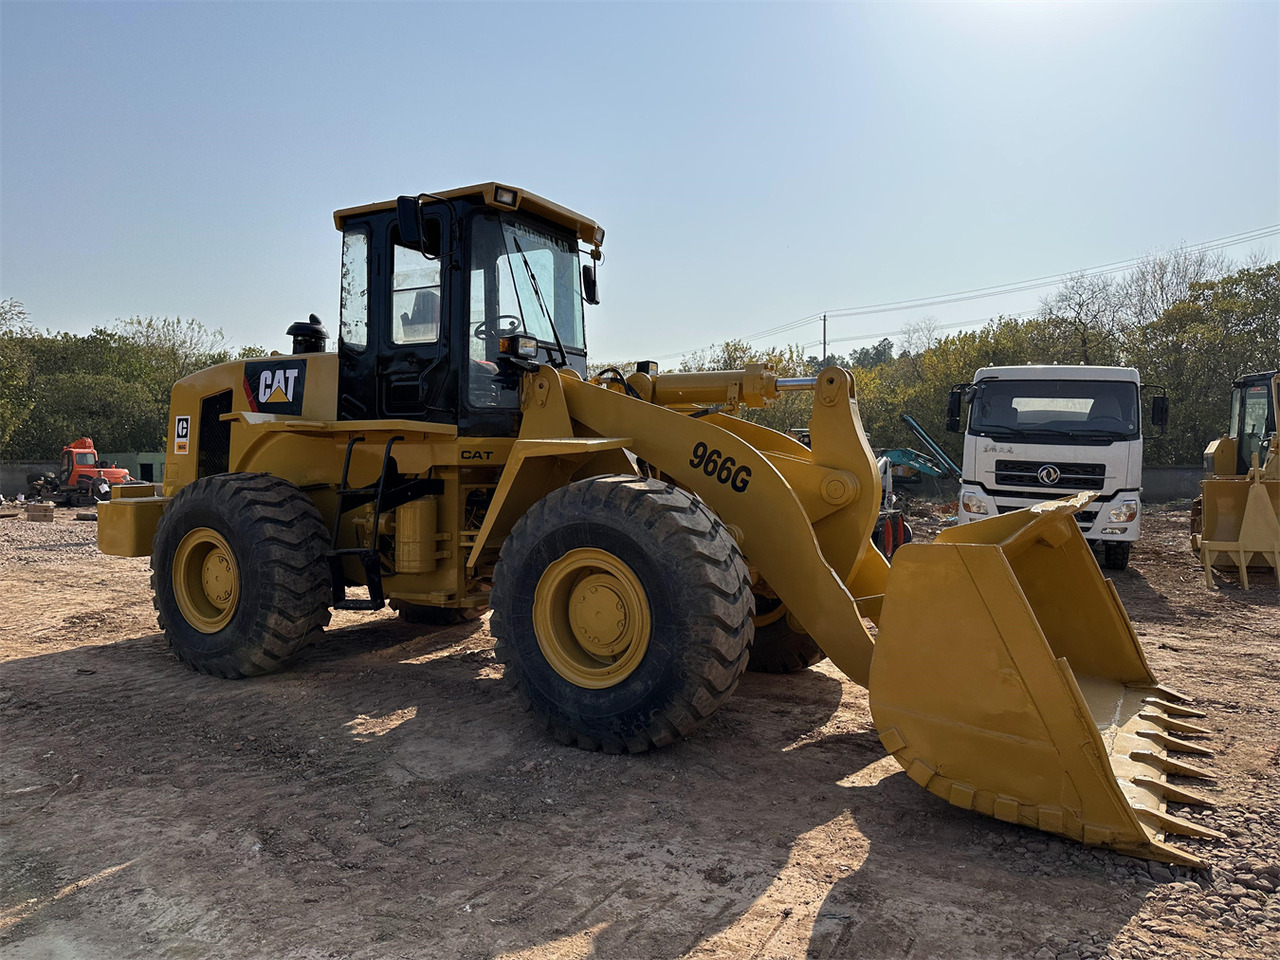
column 526, row 347
column 505, row 196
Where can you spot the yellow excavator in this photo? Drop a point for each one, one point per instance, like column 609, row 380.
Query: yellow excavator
column 639, row 544
column 1236, row 518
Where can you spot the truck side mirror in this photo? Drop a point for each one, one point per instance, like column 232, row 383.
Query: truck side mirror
column 1160, row 411
column 953, row 410
column 590, row 292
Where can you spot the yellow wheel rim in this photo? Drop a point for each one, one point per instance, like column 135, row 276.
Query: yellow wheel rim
column 206, row 580
column 591, row 618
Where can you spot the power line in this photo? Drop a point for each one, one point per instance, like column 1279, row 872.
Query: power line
column 981, row 293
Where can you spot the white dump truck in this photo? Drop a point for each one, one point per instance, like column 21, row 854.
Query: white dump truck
column 1042, row 432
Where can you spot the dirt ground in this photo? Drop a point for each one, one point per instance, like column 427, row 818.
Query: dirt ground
column 386, row 797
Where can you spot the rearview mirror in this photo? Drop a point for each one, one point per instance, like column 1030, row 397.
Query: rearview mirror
column 409, row 220
column 1160, row 411
column 417, row 232
column 590, row 293
column 953, row 410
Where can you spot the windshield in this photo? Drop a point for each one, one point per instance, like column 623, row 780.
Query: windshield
column 525, row 279
column 1085, row 409
column 84, row 459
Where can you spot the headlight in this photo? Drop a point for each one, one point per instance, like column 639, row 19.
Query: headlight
column 1126, row 512
column 973, row 504
column 526, row 347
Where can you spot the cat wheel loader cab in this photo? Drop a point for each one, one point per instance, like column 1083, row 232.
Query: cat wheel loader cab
column 1236, row 519
column 640, row 545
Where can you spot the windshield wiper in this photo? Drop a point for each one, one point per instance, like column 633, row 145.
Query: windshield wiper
column 1098, row 432
column 1006, row 431
column 537, row 293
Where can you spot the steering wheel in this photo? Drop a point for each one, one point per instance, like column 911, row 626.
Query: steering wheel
column 485, row 332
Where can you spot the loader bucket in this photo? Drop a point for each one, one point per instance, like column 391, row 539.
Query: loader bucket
column 1241, row 521
column 1007, row 679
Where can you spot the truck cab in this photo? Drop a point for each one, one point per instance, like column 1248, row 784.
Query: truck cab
column 1037, row 433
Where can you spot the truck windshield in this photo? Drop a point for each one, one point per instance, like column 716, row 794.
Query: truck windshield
column 1056, row 410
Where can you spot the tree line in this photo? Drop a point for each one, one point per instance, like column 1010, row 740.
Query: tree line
column 111, row 384
column 1180, row 319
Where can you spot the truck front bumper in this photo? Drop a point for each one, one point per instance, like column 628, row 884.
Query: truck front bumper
column 1117, row 517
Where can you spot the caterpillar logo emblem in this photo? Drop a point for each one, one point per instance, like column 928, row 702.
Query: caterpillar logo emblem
column 275, row 386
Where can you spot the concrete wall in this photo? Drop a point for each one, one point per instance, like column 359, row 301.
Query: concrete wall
column 13, row 474
column 137, row 464
column 1163, row 484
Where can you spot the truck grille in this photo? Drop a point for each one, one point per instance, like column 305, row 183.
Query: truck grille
column 1072, row 476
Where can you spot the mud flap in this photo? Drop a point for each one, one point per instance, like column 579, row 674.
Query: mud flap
column 1007, row 679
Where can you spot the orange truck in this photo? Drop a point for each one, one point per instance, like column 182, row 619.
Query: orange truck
column 81, row 479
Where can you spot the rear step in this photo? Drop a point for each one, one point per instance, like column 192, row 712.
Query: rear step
column 385, row 497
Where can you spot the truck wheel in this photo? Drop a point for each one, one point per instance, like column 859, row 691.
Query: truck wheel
column 239, row 574
column 622, row 611
column 1115, row 554
column 777, row 648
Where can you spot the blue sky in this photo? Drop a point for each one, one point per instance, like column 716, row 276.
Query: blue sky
column 753, row 164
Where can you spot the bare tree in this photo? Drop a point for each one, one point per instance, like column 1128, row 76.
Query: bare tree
column 1163, row 279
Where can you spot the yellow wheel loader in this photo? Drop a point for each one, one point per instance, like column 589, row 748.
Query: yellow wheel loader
column 639, row 544
column 1236, row 518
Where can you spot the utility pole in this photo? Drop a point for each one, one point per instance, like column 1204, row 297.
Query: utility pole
column 824, row 338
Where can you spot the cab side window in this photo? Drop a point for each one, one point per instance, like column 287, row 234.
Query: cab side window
column 415, row 297
column 354, row 305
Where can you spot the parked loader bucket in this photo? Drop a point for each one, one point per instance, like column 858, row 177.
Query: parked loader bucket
column 1241, row 520
column 1007, row 679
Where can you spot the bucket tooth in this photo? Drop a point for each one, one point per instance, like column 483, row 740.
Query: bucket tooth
column 1171, row 723
column 1173, row 743
column 1168, row 823
column 1170, row 765
column 1170, row 693
column 1168, row 791
column 1174, row 709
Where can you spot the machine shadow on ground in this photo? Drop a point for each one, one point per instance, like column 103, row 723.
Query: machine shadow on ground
column 386, row 789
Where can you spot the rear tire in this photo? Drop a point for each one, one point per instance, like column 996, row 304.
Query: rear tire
column 622, row 611
column 1115, row 554
column 239, row 574
column 777, row 648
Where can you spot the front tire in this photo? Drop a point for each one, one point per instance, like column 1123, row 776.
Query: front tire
column 1115, row 554
column 239, row 574
column 622, row 611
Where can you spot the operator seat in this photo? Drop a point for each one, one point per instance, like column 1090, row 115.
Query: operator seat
column 423, row 325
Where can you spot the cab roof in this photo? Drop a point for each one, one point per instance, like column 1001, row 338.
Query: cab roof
column 1057, row 372
column 587, row 229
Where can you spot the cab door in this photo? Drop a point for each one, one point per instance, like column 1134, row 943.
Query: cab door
column 413, row 375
